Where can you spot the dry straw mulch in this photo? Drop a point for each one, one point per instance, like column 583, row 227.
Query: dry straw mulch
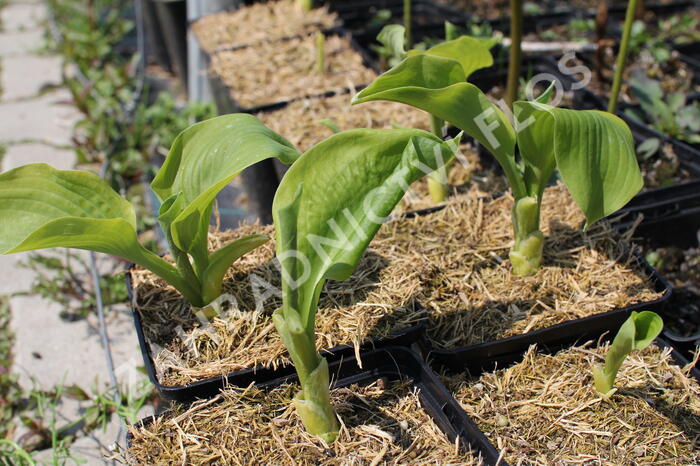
column 260, row 22
column 286, row 69
column 352, row 311
column 382, row 423
column 546, row 411
column 466, row 279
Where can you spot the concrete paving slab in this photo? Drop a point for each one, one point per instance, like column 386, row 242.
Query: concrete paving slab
column 47, row 118
column 22, row 154
column 23, row 16
column 17, row 43
column 25, row 76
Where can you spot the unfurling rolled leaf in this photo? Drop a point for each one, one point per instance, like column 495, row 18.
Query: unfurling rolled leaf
column 202, row 161
column 327, row 209
column 636, row 333
column 332, row 200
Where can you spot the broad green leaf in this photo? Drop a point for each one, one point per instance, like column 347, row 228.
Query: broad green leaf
column 595, row 155
column 427, row 82
column 647, row 326
column 42, row 207
column 332, row 201
column 221, row 260
column 471, row 53
column 203, row 160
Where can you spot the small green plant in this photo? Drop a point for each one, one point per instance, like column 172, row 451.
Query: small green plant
column 41, row 207
column 324, row 221
column 638, row 332
column 671, row 115
column 592, row 151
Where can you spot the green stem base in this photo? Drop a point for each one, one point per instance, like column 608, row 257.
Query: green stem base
column 526, row 255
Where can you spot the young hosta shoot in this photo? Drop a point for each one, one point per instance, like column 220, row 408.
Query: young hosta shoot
column 593, row 151
column 473, row 54
column 41, row 207
column 326, row 211
column 638, row 331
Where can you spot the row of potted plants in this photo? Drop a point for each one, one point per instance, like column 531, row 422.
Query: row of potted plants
column 474, row 283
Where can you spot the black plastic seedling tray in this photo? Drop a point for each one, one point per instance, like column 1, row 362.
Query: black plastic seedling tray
column 556, row 335
column 209, row 387
column 473, row 361
column 362, row 16
column 675, row 223
column 398, row 363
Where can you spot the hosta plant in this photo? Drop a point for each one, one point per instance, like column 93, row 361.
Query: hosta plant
column 472, row 53
column 638, row 332
column 41, row 207
column 326, row 211
column 593, row 151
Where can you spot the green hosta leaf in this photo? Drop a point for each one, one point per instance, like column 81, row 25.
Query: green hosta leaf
column 594, row 153
column 203, row 160
column 427, row 82
column 648, row 148
column 42, row 207
column 332, row 200
column 647, row 326
column 471, row 53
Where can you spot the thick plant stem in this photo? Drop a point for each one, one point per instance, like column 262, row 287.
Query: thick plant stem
column 408, row 22
column 170, row 274
column 526, row 255
column 516, row 36
column 622, row 55
column 313, row 401
column 437, row 180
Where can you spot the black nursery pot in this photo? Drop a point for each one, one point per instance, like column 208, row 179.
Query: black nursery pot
column 398, row 363
column 208, row 388
column 473, row 361
column 172, row 19
column 555, row 336
column 364, row 17
column 673, row 221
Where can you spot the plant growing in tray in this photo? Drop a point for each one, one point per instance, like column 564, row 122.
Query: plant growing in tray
column 592, row 151
column 360, row 175
column 46, row 208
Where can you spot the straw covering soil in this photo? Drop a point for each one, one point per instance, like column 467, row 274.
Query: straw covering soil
column 545, row 410
column 382, row 423
column 283, row 70
column 260, row 22
column 466, row 280
column 244, row 336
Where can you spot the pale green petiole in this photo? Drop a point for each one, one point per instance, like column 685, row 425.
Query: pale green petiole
column 437, row 180
column 526, row 254
column 638, row 332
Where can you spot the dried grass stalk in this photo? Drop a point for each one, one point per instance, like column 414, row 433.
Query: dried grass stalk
column 260, row 22
column 545, row 410
column 382, row 423
column 286, row 69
